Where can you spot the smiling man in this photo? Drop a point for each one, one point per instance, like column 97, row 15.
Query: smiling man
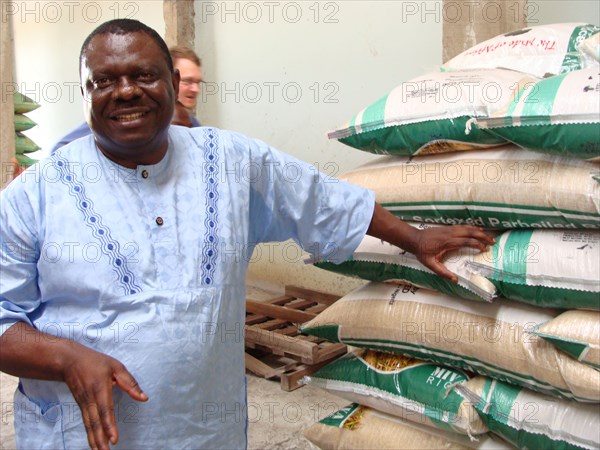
column 189, row 66
column 123, row 260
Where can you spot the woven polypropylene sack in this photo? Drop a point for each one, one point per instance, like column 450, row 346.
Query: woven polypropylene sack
column 404, row 387
column 377, row 260
column 492, row 339
column 541, row 50
column 558, row 115
column 530, row 420
column 501, row 188
column 428, row 114
column 575, row 332
column 547, row 268
column 358, row 427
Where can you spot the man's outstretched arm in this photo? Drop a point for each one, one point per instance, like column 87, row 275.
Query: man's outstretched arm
column 429, row 245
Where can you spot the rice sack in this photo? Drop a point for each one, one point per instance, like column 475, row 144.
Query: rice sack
column 501, row 188
column 558, row 115
column 492, row 339
column 547, row 268
column 577, row 333
column 358, row 427
column 531, row 420
column 428, row 114
column 377, row 260
column 405, row 387
column 542, row 50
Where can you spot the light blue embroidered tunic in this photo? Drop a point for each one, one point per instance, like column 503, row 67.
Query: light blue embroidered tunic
column 148, row 265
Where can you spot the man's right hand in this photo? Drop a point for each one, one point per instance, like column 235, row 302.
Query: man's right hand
column 90, row 375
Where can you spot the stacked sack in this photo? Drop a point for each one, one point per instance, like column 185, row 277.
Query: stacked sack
column 506, row 137
column 23, row 144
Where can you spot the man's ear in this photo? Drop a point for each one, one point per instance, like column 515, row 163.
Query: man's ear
column 175, row 79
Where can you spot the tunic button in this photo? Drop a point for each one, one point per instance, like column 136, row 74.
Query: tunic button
column 144, row 173
column 159, row 221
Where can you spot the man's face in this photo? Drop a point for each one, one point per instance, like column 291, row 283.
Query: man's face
column 189, row 84
column 130, row 96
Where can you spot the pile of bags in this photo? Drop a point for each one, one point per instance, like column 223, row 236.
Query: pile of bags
column 507, row 137
column 23, row 144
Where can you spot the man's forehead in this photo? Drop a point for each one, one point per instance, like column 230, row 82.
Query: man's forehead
column 116, row 41
column 107, row 48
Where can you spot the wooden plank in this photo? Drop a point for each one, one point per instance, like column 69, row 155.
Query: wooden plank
column 278, row 312
column 259, row 368
column 290, row 381
column 331, row 351
column 287, row 344
column 319, row 297
column 271, row 330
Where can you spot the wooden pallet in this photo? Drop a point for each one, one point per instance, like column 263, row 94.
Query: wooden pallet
column 276, row 348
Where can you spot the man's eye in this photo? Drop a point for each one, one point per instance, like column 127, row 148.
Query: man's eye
column 146, row 76
column 102, row 82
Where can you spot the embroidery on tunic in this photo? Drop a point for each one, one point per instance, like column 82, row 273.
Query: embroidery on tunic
column 211, row 240
column 93, row 220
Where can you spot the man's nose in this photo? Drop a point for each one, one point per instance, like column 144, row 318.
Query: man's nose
column 126, row 89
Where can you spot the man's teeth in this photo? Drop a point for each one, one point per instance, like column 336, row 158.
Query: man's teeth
column 129, row 117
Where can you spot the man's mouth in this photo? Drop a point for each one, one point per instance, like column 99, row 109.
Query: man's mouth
column 129, row 117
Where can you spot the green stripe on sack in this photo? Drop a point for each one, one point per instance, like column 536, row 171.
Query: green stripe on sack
column 572, row 59
column 374, row 115
column 381, row 271
column 547, row 296
column 423, row 383
column 498, row 405
column 516, row 256
column 406, row 139
column 540, row 101
column 338, row 418
column 495, row 407
column 329, row 332
column 493, row 215
column 460, row 361
column 572, row 348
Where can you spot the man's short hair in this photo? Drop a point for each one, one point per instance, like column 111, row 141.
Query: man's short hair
column 126, row 26
column 181, row 52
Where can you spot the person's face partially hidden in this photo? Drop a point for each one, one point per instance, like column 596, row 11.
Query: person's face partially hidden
column 189, row 86
column 130, row 96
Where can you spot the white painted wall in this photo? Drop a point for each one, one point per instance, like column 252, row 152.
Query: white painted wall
column 289, row 71
column 48, row 37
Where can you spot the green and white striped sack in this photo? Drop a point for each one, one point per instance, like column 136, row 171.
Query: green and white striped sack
column 558, row 115
column 548, row 268
column 502, row 188
column 428, row 114
column 359, row 427
column 377, row 260
column 491, row 339
column 575, row 332
column 541, row 50
column 530, row 420
column 404, row 387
